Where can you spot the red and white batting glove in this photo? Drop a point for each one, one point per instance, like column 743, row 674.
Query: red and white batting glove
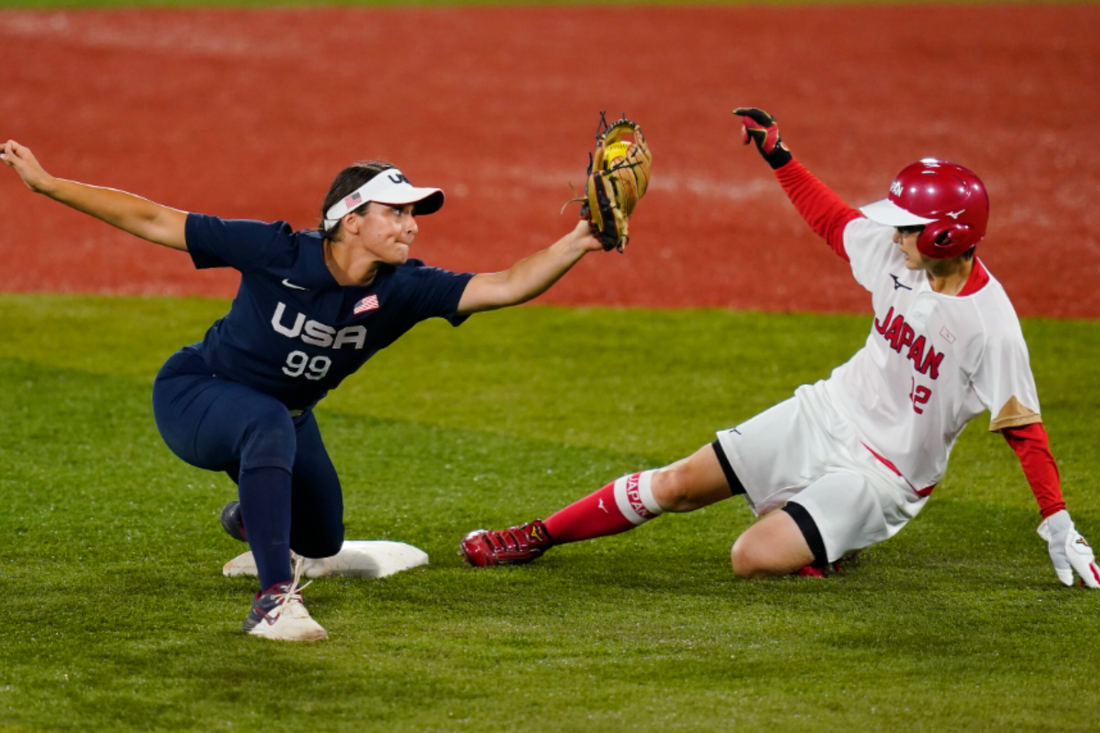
column 759, row 127
column 1069, row 551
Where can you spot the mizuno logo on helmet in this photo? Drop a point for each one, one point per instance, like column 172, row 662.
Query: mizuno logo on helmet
column 955, row 214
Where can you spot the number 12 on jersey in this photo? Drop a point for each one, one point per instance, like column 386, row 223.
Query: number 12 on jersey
column 919, row 395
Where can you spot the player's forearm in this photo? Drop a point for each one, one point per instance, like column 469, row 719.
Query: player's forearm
column 134, row 214
column 1032, row 447
column 528, row 278
column 823, row 210
column 532, row 276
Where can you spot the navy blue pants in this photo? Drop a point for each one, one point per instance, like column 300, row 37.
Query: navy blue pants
column 222, row 425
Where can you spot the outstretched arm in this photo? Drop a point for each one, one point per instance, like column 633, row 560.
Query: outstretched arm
column 823, row 210
column 529, row 277
column 130, row 213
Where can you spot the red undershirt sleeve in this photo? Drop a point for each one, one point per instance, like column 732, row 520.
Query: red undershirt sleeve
column 1033, row 449
column 822, row 209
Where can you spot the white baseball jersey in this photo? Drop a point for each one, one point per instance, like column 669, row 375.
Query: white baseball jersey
column 931, row 363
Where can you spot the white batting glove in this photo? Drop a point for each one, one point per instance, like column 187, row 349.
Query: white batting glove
column 1068, row 550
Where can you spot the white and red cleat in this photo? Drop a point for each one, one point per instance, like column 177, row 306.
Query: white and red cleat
column 279, row 614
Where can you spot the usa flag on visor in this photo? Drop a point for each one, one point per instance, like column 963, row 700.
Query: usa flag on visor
column 390, row 186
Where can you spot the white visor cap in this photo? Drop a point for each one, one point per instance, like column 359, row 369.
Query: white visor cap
column 888, row 213
column 388, row 187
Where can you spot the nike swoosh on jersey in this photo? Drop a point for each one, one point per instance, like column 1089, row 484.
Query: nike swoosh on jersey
column 287, row 283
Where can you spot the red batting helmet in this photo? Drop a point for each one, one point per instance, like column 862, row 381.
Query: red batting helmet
column 949, row 200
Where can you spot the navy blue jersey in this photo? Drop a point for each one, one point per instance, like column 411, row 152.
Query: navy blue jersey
column 293, row 332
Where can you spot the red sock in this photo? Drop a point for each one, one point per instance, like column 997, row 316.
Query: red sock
column 615, row 508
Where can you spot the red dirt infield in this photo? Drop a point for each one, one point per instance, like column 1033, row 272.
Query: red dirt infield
column 250, row 114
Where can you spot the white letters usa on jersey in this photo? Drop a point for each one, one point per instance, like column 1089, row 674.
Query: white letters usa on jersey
column 931, row 363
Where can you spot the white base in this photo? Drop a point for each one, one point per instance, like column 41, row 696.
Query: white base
column 356, row 559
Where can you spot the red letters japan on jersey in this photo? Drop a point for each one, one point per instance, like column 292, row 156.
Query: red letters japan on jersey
column 900, row 335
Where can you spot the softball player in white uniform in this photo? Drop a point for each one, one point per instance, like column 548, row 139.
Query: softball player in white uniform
column 863, row 449
column 850, row 460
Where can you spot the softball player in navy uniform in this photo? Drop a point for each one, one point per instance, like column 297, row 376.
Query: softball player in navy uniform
column 312, row 307
column 848, row 461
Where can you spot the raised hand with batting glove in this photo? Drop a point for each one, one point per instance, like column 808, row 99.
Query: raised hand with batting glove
column 760, row 127
column 1069, row 551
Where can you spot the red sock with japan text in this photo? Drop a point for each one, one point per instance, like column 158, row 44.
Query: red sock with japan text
column 615, row 508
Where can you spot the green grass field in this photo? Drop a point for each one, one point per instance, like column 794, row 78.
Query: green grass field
column 117, row 617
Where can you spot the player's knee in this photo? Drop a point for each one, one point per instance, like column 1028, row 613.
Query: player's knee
column 319, row 545
column 748, row 560
column 270, row 439
column 675, row 490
